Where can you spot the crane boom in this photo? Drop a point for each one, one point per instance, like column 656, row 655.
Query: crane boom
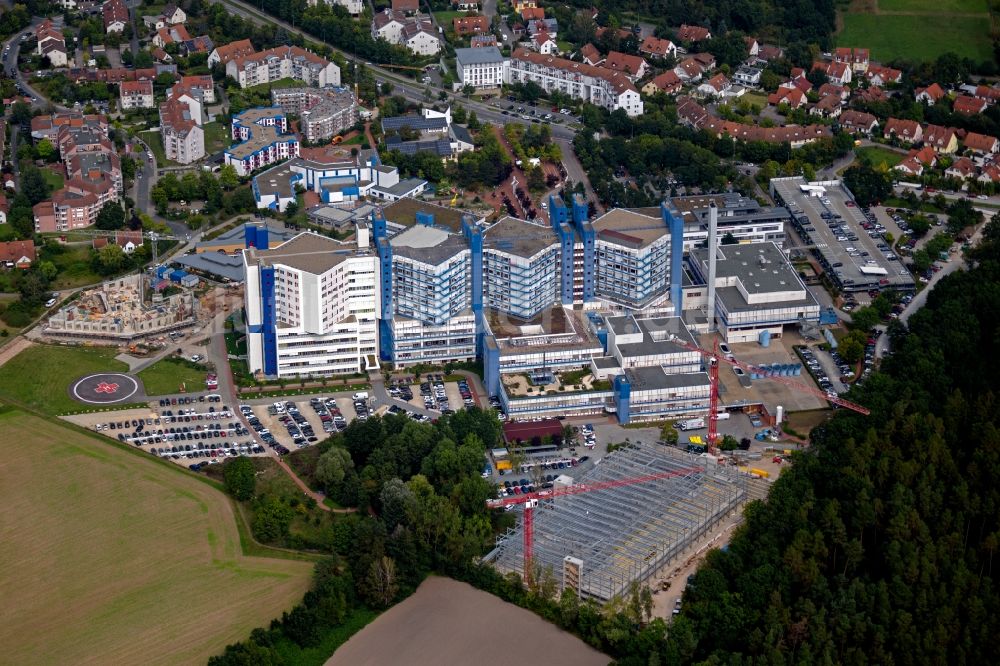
column 577, row 488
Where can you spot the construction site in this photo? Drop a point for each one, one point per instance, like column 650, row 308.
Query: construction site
column 641, row 509
column 119, row 311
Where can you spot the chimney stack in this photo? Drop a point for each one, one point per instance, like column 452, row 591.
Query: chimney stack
column 713, row 241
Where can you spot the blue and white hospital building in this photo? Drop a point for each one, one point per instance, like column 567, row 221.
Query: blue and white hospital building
column 607, row 303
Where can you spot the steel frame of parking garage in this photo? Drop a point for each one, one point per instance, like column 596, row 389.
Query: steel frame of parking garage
column 626, row 533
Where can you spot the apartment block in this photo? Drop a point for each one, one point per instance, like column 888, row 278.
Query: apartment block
column 283, row 62
column 263, row 140
column 323, row 112
column 597, row 85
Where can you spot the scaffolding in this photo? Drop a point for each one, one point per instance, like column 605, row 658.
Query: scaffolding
column 615, row 536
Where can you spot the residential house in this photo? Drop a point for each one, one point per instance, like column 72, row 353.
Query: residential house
column 590, row 55
column 910, row 166
column 544, row 44
column 693, row 33
column 136, row 95
column 989, row 174
column 174, row 34
column 856, row 59
column 406, row 6
column 858, row 122
column 597, row 85
column 716, row 86
column 471, row 25
column 945, row 139
column 963, row 168
column 4, row 208
column 529, row 14
column 706, row 60
column 51, row 43
column 521, row 5
column 793, row 97
column 969, row 106
column 76, row 205
column 173, row 14
column 930, row 94
column 753, row 47
column 880, row 76
column 417, row 33
column 231, row 51
column 17, row 254
column 159, row 55
column 827, row 107
column 689, row 70
column 981, row 143
column 129, row 241
column 549, row 25
column 905, row 130
column 872, row 94
column 836, row 72
column 748, row 76
column 631, row 66
column 668, row 83
column 654, row 47
column 465, row 5
column 989, row 93
column 769, row 52
column 200, row 86
column 827, row 89
column 200, row 44
column 482, row 68
column 115, row 14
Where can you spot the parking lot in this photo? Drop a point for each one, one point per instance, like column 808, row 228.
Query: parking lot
column 848, row 239
column 196, row 431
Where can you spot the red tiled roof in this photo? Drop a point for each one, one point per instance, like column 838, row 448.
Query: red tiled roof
column 656, row 46
column 622, row 62
column 969, row 105
column 12, row 251
column 692, row 33
column 234, row 50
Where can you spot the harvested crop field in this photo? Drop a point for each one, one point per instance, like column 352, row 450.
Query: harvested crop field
column 111, row 558
column 448, row 622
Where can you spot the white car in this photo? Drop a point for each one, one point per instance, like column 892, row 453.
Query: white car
column 49, row 303
column 196, row 358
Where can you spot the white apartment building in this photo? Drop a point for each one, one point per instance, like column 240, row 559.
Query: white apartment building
column 136, row 95
column 312, row 307
column 283, row 62
column 482, row 68
column 597, row 85
column 180, row 128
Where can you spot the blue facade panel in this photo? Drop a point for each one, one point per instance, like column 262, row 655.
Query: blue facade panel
column 675, row 222
column 491, row 366
column 385, row 283
column 268, row 321
column 622, row 395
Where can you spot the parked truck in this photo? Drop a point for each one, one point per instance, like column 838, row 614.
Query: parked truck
column 691, row 424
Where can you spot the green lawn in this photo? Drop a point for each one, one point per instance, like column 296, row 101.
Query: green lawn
column 216, row 137
column 917, row 38
column 73, row 263
column 447, row 19
column 40, row 376
column 166, row 376
column 155, row 143
column 753, row 98
column 935, row 6
column 55, row 180
column 879, row 156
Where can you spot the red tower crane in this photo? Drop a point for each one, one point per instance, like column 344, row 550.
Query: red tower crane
column 714, row 359
column 530, row 500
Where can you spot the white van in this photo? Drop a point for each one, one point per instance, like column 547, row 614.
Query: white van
column 691, row 424
column 361, row 396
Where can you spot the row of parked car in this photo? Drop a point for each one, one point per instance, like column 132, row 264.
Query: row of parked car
column 189, row 400
column 262, row 432
column 329, row 414
column 189, row 415
column 815, row 369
